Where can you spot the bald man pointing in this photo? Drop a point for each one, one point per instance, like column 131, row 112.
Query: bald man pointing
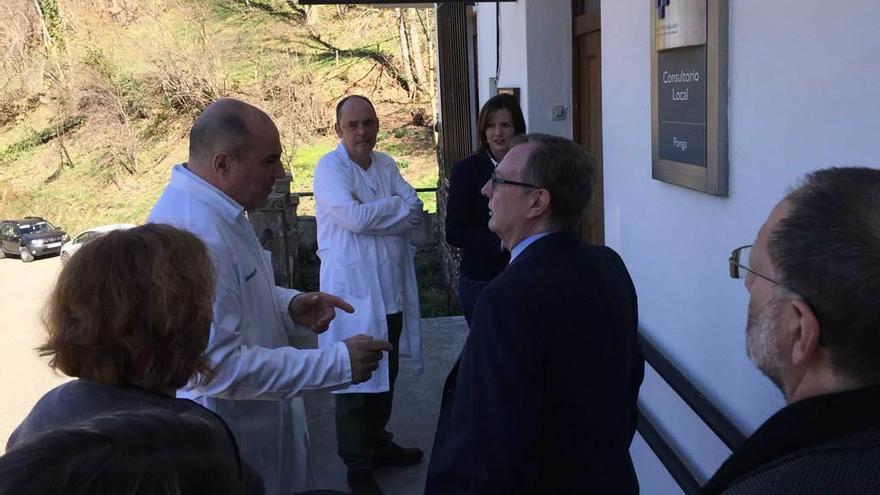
column 234, row 160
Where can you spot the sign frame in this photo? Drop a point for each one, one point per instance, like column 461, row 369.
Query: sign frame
column 713, row 178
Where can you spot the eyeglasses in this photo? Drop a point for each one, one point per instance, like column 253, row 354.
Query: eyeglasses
column 739, row 258
column 495, row 180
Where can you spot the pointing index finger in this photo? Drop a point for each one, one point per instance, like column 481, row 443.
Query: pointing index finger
column 338, row 302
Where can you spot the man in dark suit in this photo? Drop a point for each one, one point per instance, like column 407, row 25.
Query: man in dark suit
column 813, row 276
column 543, row 397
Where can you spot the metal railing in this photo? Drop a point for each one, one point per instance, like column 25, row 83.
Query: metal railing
column 720, row 425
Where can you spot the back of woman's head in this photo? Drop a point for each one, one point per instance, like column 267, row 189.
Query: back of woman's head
column 133, row 308
column 134, row 452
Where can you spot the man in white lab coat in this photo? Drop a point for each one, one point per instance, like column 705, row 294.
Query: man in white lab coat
column 365, row 213
column 234, row 160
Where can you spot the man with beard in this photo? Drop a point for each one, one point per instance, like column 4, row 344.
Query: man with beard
column 813, row 275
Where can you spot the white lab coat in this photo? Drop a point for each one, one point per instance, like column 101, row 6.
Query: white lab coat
column 353, row 216
column 258, row 375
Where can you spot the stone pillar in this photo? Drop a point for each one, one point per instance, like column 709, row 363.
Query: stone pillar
column 450, row 256
column 276, row 224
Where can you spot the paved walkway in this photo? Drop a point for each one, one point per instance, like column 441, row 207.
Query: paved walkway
column 413, row 420
column 24, row 376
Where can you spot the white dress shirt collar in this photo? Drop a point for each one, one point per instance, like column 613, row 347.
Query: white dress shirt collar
column 184, row 179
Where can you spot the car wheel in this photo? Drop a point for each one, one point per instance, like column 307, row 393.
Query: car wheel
column 64, row 257
column 26, row 256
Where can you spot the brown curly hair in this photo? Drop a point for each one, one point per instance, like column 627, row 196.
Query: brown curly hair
column 133, row 308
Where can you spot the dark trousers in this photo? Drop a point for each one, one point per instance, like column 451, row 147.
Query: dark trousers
column 468, row 290
column 361, row 418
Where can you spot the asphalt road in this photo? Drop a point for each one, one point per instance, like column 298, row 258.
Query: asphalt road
column 24, row 376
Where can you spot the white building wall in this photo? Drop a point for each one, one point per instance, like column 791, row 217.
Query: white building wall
column 804, row 93
column 549, row 55
column 536, row 60
column 511, row 72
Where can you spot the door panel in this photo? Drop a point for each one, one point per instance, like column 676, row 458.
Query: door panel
column 590, row 135
column 588, row 115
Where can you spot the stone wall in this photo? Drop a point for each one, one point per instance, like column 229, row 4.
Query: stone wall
column 275, row 224
column 450, row 256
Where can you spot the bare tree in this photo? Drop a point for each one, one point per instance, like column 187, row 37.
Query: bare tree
column 52, row 26
column 415, row 41
column 431, row 80
column 313, row 14
column 403, row 39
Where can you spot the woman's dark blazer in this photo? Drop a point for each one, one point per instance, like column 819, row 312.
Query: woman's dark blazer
column 467, row 219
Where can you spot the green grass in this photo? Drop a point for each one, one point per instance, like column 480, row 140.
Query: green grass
column 429, row 200
column 20, row 149
column 304, row 160
column 256, row 52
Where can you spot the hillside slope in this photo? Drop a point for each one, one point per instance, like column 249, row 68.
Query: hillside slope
column 90, row 130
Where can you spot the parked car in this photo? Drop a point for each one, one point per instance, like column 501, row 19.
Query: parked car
column 30, row 237
column 89, row 235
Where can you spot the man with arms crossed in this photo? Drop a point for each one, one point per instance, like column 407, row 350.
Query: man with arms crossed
column 234, row 160
column 813, row 276
column 365, row 213
column 543, row 397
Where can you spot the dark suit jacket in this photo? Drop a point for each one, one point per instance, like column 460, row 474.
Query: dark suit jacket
column 543, row 398
column 827, row 444
column 467, row 219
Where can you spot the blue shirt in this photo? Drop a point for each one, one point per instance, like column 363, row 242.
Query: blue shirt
column 523, row 244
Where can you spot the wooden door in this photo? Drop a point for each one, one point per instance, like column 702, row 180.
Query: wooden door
column 587, row 51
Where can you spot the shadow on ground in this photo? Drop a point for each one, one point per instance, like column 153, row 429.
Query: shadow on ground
column 413, row 420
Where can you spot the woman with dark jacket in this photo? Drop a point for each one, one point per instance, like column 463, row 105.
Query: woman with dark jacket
column 467, row 210
column 129, row 318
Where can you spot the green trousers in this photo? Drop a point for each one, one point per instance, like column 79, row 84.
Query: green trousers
column 361, row 418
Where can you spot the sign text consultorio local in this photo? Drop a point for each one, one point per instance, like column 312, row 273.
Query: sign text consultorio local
column 680, row 93
column 682, row 104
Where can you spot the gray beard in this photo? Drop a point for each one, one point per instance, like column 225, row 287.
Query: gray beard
column 761, row 343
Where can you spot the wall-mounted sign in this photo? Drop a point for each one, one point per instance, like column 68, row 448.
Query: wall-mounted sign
column 680, row 23
column 689, row 93
column 682, row 106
